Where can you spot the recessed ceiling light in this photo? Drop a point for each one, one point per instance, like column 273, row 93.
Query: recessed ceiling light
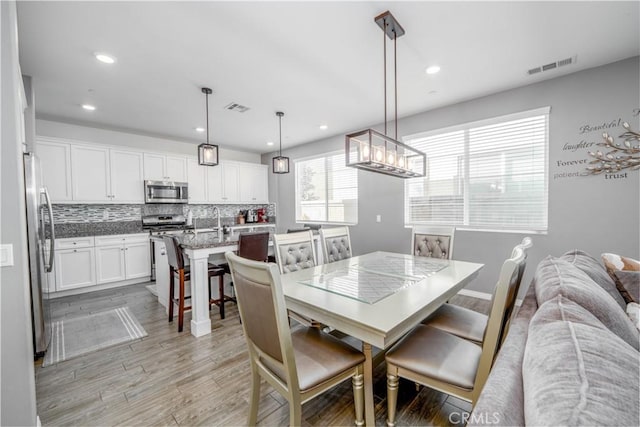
column 433, row 69
column 88, row 107
column 323, row 127
column 269, row 142
column 200, row 129
column 103, row 57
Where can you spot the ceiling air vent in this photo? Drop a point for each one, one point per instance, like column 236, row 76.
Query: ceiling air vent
column 236, row 107
column 552, row 65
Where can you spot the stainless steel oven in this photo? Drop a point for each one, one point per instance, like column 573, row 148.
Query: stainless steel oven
column 165, row 192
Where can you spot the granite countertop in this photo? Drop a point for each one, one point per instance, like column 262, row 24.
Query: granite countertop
column 84, row 229
column 208, row 239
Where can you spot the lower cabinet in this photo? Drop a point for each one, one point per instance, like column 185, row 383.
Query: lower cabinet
column 122, row 257
column 89, row 261
column 74, row 268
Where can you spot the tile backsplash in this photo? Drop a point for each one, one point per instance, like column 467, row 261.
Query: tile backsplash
column 74, row 213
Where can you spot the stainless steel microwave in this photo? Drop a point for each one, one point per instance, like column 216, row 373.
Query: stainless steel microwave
column 165, row 192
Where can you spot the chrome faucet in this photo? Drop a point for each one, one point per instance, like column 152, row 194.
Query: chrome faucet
column 218, row 227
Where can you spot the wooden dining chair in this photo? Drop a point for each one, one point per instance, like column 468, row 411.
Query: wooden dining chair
column 298, row 363
column 177, row 267
column 432, row 242
column 336, row 244
column 470, row 324
column 448, row 363
column 295, row 251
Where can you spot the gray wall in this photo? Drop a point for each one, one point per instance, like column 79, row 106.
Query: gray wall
column 132, row 140
column 18, row 403
column 592, row 213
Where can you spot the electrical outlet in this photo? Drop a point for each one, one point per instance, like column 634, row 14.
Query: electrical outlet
column 105, row 214
column 378, row 218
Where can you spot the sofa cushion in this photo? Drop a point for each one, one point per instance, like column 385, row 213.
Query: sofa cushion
column 576, row 372
column 596, row 271
column 555, row 277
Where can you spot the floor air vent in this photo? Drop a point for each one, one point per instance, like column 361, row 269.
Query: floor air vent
column 552, row 65
column 236, row 107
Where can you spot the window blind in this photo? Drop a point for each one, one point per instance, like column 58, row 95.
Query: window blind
column 489, row 175
column 326, row 190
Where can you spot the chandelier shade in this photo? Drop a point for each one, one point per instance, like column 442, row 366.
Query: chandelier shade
column 373, row 151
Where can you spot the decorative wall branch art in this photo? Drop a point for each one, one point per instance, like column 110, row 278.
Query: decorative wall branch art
column 620, row 156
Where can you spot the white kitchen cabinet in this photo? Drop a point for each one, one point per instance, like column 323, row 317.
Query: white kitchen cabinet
column 122, row 257
column 110, row 265
column 214, row 184
column 197, row 180
column 55, row 162
column 126, row 172
column 230, row 182
column 160, row 167
column 90, row 175
column 253, row 183
column 74, row 268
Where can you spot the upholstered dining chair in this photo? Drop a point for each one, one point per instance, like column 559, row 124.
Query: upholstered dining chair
column 336, row 244
column 299, row 363
column 177, row 267
column 432, row 242
column 448, row 363
column 470, row 324
column 295, row 251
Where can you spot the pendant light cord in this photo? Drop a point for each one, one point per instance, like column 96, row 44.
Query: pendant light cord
column 395, row 79
column 206, row 94
column 280, row 131
column 384, row 43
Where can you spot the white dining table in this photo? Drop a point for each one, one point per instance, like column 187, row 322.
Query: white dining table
column 376, row 298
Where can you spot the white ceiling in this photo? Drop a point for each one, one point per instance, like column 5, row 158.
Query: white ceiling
column 319, row 62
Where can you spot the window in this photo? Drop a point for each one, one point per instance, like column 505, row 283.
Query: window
column 489, row 175
column 326, row 190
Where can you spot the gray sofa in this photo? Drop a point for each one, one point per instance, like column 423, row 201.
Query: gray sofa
column 571, row 355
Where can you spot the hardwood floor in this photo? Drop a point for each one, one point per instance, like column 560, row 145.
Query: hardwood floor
column 171, row 378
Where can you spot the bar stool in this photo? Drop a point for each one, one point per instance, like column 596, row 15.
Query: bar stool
column 176, row 265
column 253, row 246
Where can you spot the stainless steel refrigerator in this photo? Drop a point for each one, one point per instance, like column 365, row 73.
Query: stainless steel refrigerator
column 41, row 234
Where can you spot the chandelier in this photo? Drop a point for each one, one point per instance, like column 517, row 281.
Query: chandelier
column 371, row 150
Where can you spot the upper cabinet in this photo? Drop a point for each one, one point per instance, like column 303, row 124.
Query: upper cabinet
column 56, row 169
column 197, row 181
column 253, row 183
column 159, row 167
column 92, row 173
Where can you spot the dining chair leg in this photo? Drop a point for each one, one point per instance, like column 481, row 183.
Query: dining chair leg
column 181, row 306
column 358, row 396
column 392, row 398
column 171, row 293
column 221, row 289
column 255, row 395
column 295, row 413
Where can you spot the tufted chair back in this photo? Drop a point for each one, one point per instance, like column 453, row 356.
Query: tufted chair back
column 432, row 242
column 295, row 251
column 336, row 243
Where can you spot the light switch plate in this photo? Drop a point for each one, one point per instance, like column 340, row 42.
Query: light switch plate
column 6, row 255
column 378, row 218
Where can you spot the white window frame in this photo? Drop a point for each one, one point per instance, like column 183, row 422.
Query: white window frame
column 465, row 127
column 295, row 172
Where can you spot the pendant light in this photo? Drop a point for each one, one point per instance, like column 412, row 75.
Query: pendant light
column 280, row 163
column 373, row 151
column 207, row 153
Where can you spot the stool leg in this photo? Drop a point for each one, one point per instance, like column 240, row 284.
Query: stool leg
column 221, row 287
column 171, row 293
column 181, row 306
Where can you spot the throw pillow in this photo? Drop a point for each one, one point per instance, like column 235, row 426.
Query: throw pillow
column 625, row 272
column 575, row 372
column 555, row 277
column 596, row 271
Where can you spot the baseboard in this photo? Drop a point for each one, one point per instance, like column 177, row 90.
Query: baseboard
column 482, row 295
column 100, row 287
